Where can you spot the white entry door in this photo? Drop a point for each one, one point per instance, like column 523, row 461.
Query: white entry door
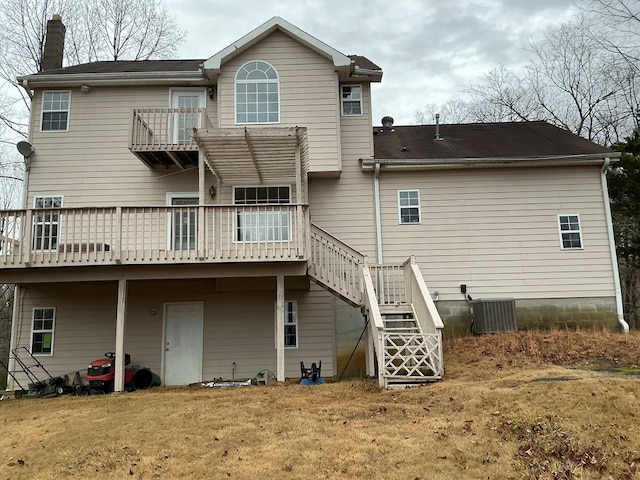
column 187, row 115
column 183, row 343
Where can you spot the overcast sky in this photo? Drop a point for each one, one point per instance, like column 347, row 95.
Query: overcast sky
column 429, row 50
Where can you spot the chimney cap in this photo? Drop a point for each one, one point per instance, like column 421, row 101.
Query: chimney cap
column 57, row 16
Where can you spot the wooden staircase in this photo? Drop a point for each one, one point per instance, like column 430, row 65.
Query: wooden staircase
column 404, row 344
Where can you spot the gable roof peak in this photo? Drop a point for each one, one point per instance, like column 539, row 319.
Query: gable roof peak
column 213, row 64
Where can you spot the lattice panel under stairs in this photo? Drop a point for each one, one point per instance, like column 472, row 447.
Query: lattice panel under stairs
column 411, row 358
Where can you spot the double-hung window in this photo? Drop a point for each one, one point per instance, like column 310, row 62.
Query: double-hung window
column 351, row 100
column 290, row 324
column 570, row 232
column 257, row 93
column 409, row 206
column 46, row 222
column 42, row 331
column 55, row 111
column 258, row 215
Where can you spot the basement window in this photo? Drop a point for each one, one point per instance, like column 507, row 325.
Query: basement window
column 290, row 324
column 570, row 232
column 42, row 331
column 409, row 206
column 55, row 111
column 351, row 100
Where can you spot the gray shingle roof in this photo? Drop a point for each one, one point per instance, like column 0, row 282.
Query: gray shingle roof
column 481, row 140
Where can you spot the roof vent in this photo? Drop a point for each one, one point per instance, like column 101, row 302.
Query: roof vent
column 387, row 124
column 438, row 137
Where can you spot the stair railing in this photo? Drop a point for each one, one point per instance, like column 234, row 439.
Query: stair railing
column 424, row 307
column 336, row 265
column 376, row 325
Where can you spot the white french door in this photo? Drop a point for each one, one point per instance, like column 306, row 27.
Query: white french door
column 187, row 116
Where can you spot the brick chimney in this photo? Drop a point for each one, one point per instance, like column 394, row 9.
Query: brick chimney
column 53, row 44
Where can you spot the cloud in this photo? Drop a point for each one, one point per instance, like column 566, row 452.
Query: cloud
column 429, row 51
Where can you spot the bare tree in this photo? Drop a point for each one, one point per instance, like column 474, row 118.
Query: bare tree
column 451, row 111
column 502, row 97
column 96, row 30
column 571, row 81
column 124, row 30
column 618, row 27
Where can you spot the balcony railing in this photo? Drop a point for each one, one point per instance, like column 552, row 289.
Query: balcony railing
column 165, row 128
column 160, row 235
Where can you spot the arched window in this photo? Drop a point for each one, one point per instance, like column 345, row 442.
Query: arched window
column 257, row 93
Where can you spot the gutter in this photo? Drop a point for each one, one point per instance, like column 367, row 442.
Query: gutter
column 612, row 246
column 376, row 201
column 30, row 82
column 368, row 164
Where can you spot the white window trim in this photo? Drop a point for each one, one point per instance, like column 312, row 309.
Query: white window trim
column 170, row 196
column 579, row 232
column 342, row 100
column 235, row 95
column 35, row 221
column 419, row 222
column 188, row 90
column 235, row 213
column 53, row 329
column 296, row 323
column 42, row 112
column 236, row 187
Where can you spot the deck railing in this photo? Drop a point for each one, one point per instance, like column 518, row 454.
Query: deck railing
column 166, row 234
column 165, row 128
column 389, row 283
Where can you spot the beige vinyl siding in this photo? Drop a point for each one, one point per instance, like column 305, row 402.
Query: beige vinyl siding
column 91, row 164
column 84, row 327
column 496, row 231
column 239, row 326
column 344, row 206
column 308, row 95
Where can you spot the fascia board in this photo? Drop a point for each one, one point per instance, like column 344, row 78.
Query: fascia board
column 368, row 164
column 276, row 23
column 107, row 79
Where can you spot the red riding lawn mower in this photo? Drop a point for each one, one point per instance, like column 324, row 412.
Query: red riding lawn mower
column 101, row 373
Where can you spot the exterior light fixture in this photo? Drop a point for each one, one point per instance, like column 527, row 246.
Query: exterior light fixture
column 212, row 191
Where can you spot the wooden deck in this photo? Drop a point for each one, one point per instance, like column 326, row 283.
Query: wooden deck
column 153, row 235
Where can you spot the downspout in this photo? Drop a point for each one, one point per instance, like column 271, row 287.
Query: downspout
column 376, row 200
column 612, row 246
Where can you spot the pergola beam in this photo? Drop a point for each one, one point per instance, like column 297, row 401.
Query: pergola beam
column 254, row 158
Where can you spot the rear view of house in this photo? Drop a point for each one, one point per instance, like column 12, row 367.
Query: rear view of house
column 218, row 217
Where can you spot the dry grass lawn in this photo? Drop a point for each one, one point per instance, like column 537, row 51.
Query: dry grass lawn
column 512, row 406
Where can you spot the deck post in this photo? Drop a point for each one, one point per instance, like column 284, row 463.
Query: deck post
column 369, row 351
column 121, row 314
column 13, row 341
column 201, row 201
column 280, row 328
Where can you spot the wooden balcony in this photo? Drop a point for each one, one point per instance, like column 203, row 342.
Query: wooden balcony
column 162, row 137
column 174, row 138
column 153, row 235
